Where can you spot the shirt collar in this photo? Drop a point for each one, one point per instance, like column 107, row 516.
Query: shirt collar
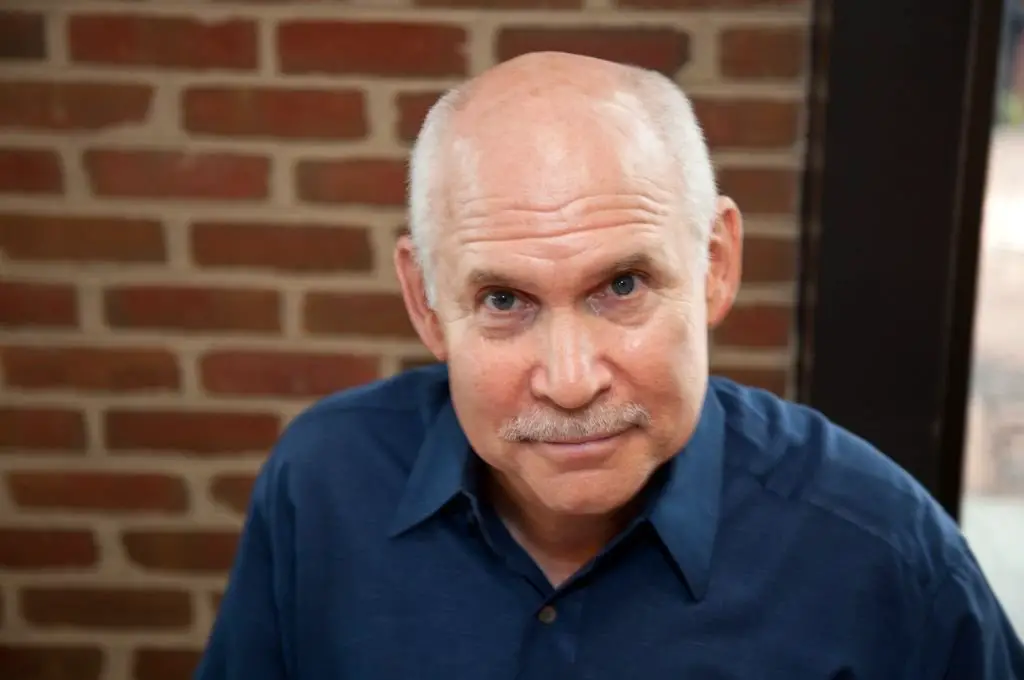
column 684, row 512
column 439, row 474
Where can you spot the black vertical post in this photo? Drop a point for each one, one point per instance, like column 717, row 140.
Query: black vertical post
column 895, row 209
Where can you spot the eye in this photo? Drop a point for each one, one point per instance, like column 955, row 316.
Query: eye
column 623, row 285
column 501, row 300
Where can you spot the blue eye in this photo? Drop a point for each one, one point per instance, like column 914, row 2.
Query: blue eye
column 623, row 285
column 501, row 300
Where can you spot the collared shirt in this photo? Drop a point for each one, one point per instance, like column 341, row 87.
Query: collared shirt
column 774, row 545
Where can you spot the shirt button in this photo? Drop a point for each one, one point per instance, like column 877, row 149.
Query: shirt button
column 547, row 614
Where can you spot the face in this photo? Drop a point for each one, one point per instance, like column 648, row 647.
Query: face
column 572, row 311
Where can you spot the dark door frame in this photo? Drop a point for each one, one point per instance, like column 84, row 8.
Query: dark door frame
column 898, row 141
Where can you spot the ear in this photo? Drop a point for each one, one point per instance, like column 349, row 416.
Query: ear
column 725, row 261
column 414, row 292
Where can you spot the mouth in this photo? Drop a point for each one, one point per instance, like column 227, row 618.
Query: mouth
column 582, row 452
column 589, row 439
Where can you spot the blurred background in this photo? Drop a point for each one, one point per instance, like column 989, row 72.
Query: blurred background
column 993, row 506
column 198, row 200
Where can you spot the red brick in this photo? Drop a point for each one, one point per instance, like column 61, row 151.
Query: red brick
column 709, row 4
column 412, row 109
column 52, row 305
column 369, row 314
column 98, row 491
column 181, row 551
column 61, row 106
column 22, row 35
column 292, row 247
column 284, row 374
column 163, row 42
column 372, row 48
column 503, row 4
column 763, row 53
column 54, row 238
column 769, row 260
column 51, row 662
column 266, row 112
column 91, row 369
column 47, row 549
column 192, row 432
column 106, row 608
column 748, row 123
column 761, row 190
column 760, row 326
column 30, row 171
column 366, row 181
column 765, row 378
column 165, row 664
column 233, row 491
column 36, row 428
column 193, row 308
column 177, row 174
column 660, row 49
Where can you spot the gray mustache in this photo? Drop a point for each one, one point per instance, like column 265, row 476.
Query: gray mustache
column 547, row 425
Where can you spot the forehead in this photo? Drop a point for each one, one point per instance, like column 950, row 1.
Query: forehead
column 560, row 238
column 557, row 184
column 546, row 151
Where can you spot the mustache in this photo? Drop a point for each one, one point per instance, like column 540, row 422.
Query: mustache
column 550, row 425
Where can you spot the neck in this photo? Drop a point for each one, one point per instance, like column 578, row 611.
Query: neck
column 559, row 543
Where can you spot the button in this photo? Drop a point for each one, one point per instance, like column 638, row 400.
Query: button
column 547, row 614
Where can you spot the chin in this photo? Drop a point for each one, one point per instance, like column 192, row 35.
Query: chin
column 584, row 497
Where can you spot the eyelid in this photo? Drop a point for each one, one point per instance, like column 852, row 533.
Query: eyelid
column 485, row 293
column 640, row 276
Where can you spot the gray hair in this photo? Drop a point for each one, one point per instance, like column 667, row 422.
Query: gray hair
column 657, row 102
column 545, row 424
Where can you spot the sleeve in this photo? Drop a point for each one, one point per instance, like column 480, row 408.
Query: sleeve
column 250, row 639
column 968, row 635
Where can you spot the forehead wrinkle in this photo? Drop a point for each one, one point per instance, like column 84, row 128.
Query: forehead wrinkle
column 562, row 247
column 510, row 228
column 530, row 271
column 478, row 217
column 572, row 208
column 481, row 185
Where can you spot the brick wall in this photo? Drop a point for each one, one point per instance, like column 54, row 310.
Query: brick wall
column 197, row 205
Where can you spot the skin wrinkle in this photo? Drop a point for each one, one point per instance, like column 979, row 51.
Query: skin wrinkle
column 652, row 201
column 545, row 193
column 517, row 225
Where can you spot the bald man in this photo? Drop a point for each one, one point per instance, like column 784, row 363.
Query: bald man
column 568, row 494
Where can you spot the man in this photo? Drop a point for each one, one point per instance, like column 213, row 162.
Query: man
column 572, row 497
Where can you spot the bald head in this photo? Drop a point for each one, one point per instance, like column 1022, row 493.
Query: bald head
column 544, row 125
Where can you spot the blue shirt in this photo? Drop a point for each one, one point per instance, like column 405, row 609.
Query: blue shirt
column 775, row 545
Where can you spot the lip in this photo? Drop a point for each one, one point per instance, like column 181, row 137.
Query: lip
column 585, row 440
column 582, row 453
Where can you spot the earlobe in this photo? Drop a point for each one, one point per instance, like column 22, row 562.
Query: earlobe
column 414, row 292
column 725, row 261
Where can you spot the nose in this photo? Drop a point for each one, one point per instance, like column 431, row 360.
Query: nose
column 571, row 373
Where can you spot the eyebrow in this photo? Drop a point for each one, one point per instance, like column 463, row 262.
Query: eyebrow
column 481, row 278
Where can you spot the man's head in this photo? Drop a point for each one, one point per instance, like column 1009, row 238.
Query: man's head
column 568, row 253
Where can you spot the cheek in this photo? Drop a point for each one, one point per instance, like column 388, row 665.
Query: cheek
column 487, row 380
column 659, row 354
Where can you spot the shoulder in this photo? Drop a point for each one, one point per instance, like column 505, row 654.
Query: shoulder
column 370, row 433
column 825, row 472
